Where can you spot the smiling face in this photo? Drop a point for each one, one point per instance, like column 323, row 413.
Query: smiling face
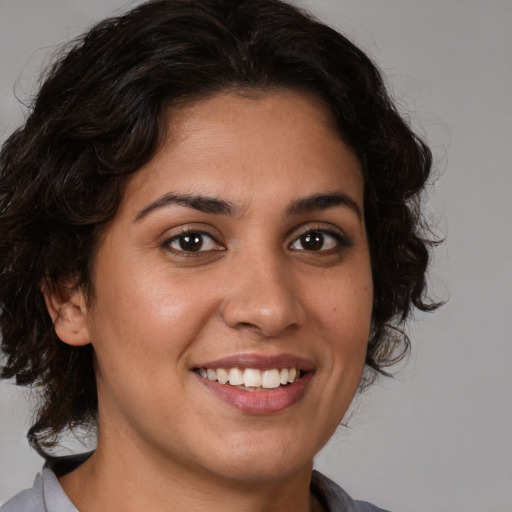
column 233, row 292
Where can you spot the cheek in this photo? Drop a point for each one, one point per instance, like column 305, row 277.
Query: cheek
column 347, row 305
column 174, row 309
column 148, row 317
column 344, row 315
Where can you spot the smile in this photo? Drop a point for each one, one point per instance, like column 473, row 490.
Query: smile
column 252, row 379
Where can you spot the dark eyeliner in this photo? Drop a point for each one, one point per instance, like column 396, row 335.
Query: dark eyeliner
column 166, row 243
column 343, row 241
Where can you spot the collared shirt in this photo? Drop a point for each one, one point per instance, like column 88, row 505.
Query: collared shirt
column 46, row 495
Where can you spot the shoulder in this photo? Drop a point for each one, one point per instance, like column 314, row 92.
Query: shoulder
column 46, row 495
column 335, row 499
column 29, row 500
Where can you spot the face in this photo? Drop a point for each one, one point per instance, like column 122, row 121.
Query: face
column 233, row 291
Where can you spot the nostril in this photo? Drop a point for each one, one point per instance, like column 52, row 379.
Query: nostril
column 247, row 325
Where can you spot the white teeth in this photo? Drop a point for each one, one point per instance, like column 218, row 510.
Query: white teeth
column 222, row 375
column 271, row 379
column 251, row 378
column 236, row 377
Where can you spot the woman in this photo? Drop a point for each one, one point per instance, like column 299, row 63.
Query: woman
column 210, row 236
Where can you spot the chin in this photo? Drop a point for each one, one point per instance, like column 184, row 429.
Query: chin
column 258, row 462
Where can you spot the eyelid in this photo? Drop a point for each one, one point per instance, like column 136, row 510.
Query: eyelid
column 324, row 227
column 174, row 234
column 327, row 229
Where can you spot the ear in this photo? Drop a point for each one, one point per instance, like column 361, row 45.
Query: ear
column 68, row 310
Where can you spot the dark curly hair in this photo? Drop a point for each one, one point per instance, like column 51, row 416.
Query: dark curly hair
column 99, row 116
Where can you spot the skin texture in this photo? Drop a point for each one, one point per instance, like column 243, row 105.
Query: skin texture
column 166, row 442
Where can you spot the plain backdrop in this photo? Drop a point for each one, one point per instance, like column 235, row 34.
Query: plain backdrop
column 438, row 438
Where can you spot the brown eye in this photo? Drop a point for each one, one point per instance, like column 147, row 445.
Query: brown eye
column 319, row 241
column 193, row 242
column 190, row 243
column 312, row 241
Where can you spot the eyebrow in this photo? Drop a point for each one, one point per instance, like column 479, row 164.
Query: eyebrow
column 323, row 202
column 197, row 202
column 222, row 207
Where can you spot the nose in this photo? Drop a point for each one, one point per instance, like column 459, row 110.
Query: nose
column 262, row 297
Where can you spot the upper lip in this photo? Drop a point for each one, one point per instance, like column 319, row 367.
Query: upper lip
column 260, row 362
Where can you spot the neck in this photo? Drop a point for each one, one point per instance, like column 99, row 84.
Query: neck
column 132, row 479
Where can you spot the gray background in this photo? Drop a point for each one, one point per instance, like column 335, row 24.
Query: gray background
column 438, row 437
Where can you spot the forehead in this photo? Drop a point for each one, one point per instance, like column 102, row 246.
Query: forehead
column 254, row 119
column 274, row 144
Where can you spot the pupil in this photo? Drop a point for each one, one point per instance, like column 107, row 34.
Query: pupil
column 191, row 242
column 312, row 241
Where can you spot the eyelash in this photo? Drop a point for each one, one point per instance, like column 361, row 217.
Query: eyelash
column 341, row 241
column 167, row 244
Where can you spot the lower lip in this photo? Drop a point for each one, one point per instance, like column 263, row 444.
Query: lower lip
column 259, row 402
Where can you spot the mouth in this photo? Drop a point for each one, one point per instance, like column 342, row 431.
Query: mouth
column 252, row 379
column 257, row 385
